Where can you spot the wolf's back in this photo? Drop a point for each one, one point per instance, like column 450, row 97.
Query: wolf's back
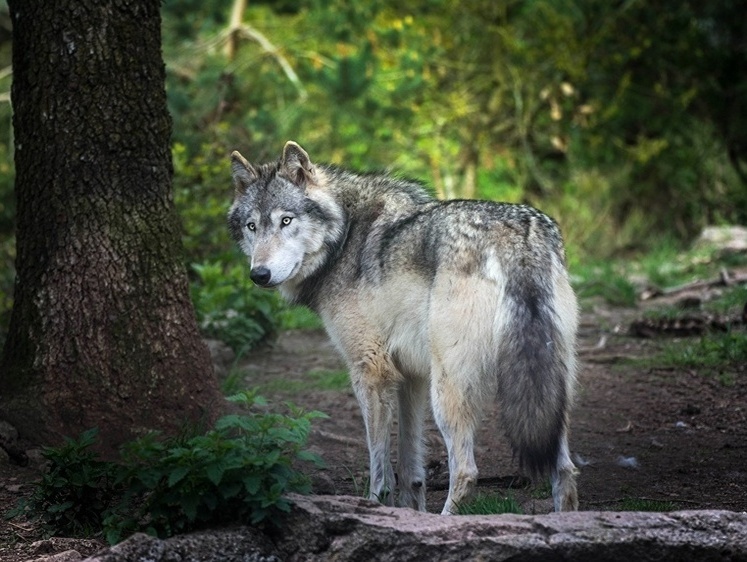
column 536, row 356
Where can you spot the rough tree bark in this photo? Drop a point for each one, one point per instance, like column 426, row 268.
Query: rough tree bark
column 103, row 333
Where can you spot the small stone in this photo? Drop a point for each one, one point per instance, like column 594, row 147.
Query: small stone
column 67, row 556
column 8, row 433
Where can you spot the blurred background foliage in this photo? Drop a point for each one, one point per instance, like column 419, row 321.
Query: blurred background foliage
column 624, row 120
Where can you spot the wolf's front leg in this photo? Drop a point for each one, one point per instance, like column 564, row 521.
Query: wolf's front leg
column 376, row 392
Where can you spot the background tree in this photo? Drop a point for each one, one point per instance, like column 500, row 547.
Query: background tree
column 102, row 331
column 623, row 120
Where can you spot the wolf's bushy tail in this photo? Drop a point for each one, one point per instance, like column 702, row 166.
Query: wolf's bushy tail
column 537, row 365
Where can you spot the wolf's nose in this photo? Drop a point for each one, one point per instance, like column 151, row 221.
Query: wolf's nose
column 260, row 275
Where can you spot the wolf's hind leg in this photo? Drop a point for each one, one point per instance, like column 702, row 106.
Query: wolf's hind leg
column 413, row 396
column 375, row 384
column 563, row 478
column 456, row 413
column 460, row 329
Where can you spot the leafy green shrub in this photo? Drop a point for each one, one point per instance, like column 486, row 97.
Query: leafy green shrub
column 202, row 194
column 75, row 490
column 230, row 308
column 238, row 472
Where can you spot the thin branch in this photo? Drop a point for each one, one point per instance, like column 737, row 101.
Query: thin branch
column 248, row 32
column 251, row 33
column 725, row 279
column 234, row 28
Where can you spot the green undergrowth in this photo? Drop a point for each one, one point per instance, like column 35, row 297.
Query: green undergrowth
column 317, row 379
column 620, row 281
column 240, row 471
column 489, row 504
column 232, row 309
column 298, row 318
column 609, row 281
column 717, row 352
column 644, row 504
column 723, row 355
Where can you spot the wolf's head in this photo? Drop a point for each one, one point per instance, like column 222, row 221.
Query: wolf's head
column 283, row 217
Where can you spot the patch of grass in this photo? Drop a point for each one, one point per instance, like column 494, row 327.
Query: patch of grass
column 607, row 280
column 668, row 265
column 234, row 381
column 714, row 352
column 731, row 301
column 299, row 318
column 724, row 353
column 663, row 313
column 489, row 504
column 665, row 266
column 643, row 504
column 320, row 379
column 324, row 379
column 361, row 488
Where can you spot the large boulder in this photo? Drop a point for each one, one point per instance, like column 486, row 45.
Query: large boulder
column 341, row 528
column 723, row 239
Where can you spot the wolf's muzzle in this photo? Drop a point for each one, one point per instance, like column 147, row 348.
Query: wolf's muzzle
column 261, row 275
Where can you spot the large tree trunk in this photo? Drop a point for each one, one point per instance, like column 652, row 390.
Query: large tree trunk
column 102, row 332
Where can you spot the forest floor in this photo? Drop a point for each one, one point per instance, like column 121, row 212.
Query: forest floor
column 644, row 435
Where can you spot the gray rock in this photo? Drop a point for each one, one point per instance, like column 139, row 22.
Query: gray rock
column 8, row 433
column 240, row 544
column 223, row 357
column 67, row 556
column 342, row 528
column 36, row 459
column 8, row 438
column 727, row 239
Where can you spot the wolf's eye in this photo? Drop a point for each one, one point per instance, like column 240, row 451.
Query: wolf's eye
column 251, row 226
column 286, row 221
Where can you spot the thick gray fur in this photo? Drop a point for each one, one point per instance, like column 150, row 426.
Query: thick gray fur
column 460, row 300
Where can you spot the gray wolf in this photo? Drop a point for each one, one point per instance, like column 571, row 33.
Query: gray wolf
column 458, row 300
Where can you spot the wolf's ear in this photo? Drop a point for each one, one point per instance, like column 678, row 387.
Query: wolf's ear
column 296, row 165
column 243, row 172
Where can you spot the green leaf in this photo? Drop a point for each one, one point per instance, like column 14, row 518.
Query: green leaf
column 177, row 475
column 189, row 506
column 309, row 456
column 215, row 472
column 231, row 490
column 60, row 507
column 252, row 483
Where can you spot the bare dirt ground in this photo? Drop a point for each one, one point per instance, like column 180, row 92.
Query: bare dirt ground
column 638, row 432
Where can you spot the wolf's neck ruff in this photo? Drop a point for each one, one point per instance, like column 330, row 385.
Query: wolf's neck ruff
column 456, row 299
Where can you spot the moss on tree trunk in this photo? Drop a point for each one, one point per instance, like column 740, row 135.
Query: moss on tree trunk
column 102, row 332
